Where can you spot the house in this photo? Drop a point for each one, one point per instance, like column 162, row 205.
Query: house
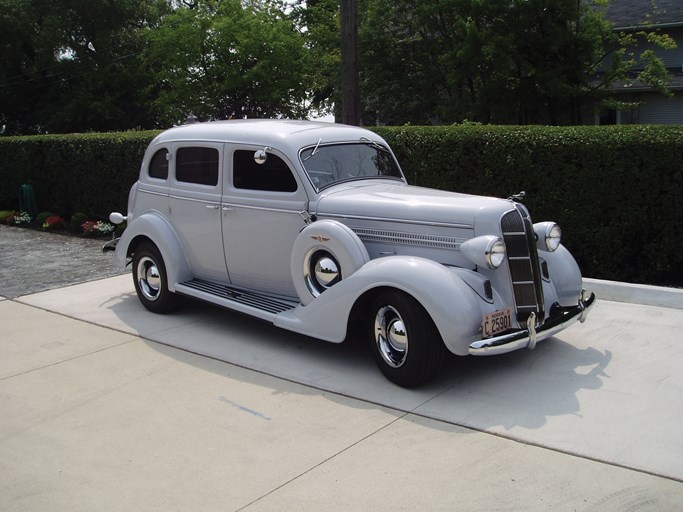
column 633, row 16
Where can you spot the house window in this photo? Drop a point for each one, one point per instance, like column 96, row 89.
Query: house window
column 197, row 165
column 608, row 117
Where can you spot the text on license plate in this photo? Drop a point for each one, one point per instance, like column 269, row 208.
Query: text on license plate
column 496, row 322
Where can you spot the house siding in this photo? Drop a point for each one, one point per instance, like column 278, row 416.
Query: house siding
column 658, row 109
column 666, row 17
column 672, row 58
column 654, row 108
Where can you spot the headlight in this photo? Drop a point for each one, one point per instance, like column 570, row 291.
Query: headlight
column 548, row 236
column 485, row 251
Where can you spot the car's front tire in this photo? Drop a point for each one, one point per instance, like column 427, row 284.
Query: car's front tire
column 404, row 340
column 150, row 279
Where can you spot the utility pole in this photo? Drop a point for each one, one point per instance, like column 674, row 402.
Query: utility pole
column 350, row 81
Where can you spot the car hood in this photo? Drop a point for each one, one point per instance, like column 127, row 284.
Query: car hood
column 409, row 203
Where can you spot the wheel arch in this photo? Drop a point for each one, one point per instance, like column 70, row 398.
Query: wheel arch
column 153, row 228
column 359, row 311
column 450, row 303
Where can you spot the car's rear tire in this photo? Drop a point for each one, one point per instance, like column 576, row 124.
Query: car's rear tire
column 404, row 340
column 150, row 279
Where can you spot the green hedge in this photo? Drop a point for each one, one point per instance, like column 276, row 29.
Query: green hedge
column 89, row 173
column 613, row 190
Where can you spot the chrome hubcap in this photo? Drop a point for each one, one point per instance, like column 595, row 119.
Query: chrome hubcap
column 149, row 279
column 321, row 271
column 326, row 271
column 391, row 336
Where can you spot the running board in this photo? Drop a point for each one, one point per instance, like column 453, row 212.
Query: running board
column 261, row 306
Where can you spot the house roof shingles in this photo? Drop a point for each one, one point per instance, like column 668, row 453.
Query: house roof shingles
column 625, row 14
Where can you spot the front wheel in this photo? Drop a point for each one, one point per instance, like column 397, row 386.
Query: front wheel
column 404, row 340
column 151, row 283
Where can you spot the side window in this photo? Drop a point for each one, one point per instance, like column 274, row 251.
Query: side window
column 197, row 165
column 274, row 175
column 158, row 166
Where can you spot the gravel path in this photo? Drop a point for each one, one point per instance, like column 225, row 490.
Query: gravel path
column 33, row 261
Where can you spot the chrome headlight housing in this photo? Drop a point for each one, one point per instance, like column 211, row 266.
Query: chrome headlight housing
column 548, row 236
column 485, row 251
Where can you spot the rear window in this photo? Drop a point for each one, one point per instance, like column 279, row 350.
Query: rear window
column 158, row 166
column 197, row 165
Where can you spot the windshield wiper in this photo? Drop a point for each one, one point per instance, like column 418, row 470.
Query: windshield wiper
column 375, row 144
column 315, row 150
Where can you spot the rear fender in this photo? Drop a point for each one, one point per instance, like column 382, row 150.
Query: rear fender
column 153, row 227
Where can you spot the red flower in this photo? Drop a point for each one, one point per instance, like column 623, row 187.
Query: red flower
column 54, row 221
column 89, row 227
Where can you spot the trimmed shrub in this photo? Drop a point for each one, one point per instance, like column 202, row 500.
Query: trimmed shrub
column 613, row 190
column 77, row 221
column 72, row 173
column 42, row 217
column 6, row 216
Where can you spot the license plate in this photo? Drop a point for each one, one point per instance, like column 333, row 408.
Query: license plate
column 497, row 322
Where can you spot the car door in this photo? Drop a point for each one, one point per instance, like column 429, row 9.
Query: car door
column 262, row 208
column 194, row 200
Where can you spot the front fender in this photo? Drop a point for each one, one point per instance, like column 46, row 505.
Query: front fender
column 152, row 226
column 565, row 275
column 452, row 304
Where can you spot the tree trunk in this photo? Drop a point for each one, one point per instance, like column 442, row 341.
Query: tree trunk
column 350, row 56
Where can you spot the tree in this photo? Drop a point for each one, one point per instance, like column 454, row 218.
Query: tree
column 493, row 61
column 222, row 59
column 319, row 23
column 69, row 65
column 17, row 57
column 350, row 67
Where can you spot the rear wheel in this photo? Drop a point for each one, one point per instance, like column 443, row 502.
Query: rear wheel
column 404, row 340
column 151, row 282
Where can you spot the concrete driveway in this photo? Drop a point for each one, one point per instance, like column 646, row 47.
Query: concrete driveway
column 106, row 406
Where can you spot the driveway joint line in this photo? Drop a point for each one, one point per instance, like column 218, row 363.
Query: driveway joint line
column 323, row 462
column 405, row 412
column 57, row 363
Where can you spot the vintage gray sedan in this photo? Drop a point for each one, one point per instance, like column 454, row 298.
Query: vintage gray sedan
column 313, row 227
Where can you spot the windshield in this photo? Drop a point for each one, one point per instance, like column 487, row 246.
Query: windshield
column 330, row 164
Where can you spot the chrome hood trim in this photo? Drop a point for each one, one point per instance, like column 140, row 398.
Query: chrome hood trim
column 414, row 239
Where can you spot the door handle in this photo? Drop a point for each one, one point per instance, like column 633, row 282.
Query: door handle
column 212, row 206
column 227, row 208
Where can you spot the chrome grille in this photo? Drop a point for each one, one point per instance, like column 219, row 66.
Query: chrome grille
column 518, row 234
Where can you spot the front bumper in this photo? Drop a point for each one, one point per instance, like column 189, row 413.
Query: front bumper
column 527, row 338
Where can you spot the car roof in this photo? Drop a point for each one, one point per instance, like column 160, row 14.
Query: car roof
column 285, row 135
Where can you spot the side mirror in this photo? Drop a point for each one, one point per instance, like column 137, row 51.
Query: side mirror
column 261, row 156
column 116, row 218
